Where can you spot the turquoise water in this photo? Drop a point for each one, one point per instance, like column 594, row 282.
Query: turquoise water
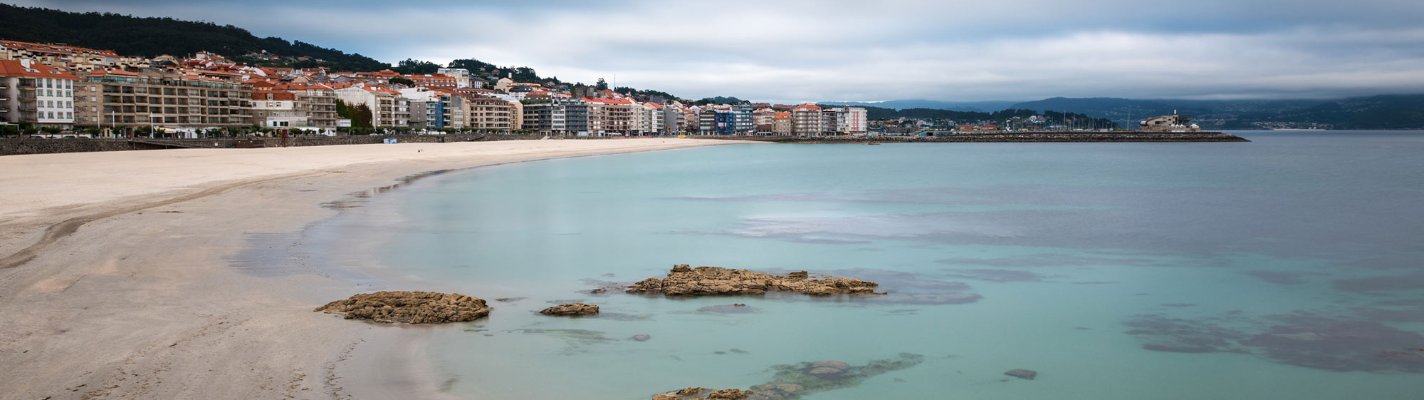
column 1285, row 268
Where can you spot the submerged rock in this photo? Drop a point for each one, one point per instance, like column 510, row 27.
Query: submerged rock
column 571, row 310
column 706, row 281
column 409, row 307
column 642, row 337
column 794, row 381
column 1026, row 374
column 738, row 308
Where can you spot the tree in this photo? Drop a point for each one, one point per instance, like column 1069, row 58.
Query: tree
column 360, row 115
column 413, row 66
column 401, row 81
column 601, row 85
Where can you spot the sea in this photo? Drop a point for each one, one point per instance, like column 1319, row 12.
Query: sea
column 1289, row 267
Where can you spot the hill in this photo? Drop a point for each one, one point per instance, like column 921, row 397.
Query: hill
column 1375, row 112
column 974, row 106
column 151, row 37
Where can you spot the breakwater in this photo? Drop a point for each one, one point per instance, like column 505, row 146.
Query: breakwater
column 1011, row 137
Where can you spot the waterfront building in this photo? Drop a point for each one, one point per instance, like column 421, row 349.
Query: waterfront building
column 161, row 98
column 36, row 94
column 277, row 110
column 1167, row 123
column 672, row 115
column 491, row 114
column 781, row 123
column 652, row 119
column 434, row 109
column 806, row 120
column 691, row 120
column 763, row 119
column 706, row 120
column 853, row 120
column 742, row 119
column 317, row 102
column 388, row 108
column 557, row 116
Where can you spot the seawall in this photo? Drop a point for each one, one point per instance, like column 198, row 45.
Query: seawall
column 15, row 146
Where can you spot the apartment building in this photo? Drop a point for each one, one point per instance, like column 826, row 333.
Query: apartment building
column 161, row 98
column 318, row 102
column 557, row 116
column 461, row 75
column 806, row 120
column 781, row 124
column 36, row 94
column 435, row 81
column 388, row 108
column 490, row 114
column 673, row 118
column 278, row 110
column 763, row 120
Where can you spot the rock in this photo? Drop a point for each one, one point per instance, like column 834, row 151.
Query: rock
column 598, row 291
column 738, row 308
column 697, row 393
column 830, row 369
column 729, row 394
column 778, row 390
column 707, row 281
column 409, row 307
column 1026, row 374
column 571, row 310
column 642, row 337
column 794, row 381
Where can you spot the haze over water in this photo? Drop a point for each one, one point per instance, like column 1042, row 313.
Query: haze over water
column 1285, row 268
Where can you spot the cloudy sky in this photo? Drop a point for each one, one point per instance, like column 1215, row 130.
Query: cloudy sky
column 876, row 50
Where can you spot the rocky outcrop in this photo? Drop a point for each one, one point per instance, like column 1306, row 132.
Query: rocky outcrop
column 571, row 310
column 716, row 281
column 409, row 307
column 697, row 393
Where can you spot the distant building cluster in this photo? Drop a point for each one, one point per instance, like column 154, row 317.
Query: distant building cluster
column 73, row 88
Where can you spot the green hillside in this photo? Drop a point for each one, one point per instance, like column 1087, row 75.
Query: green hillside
column 155, row 36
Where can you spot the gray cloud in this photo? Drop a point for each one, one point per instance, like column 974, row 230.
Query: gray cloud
column 816, row 50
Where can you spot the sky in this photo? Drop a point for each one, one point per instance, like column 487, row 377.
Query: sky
column 791, row 51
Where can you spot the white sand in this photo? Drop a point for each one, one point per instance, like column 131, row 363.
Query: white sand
column 115, row 279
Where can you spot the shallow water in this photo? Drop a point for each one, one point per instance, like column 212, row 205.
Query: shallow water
column 1289, row 267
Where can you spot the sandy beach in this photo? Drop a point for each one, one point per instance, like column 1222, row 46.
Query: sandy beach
column 115, row 276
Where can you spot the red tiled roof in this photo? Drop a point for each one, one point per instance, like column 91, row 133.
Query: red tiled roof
column 36, row 70
column 55, row 48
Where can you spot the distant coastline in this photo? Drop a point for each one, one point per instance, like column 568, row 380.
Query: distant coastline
column 1018, row 137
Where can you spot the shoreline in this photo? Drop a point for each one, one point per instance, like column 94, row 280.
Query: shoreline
column 131, row 293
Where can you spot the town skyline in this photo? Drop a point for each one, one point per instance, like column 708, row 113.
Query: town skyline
column 795, row 52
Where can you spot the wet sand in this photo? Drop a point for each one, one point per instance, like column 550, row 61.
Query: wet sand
column 115, row 277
